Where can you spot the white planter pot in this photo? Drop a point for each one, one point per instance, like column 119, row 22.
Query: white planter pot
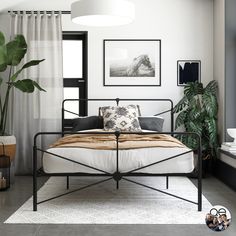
column 9, row 144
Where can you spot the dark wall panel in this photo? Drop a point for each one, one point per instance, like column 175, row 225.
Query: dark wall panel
column 230, row 65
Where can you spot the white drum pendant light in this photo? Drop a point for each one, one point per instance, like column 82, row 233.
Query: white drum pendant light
column 102, row 12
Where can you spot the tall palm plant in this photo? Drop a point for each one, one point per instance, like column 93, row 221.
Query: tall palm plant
column 11, row 54
column 197, row 112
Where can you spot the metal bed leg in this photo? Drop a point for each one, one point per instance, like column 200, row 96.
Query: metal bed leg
column 167, row 182
column 199, row 191
column 199, row 195
column 117, row 175
column 67, row 182
column 199, row 175
column 34, row 178
column 117, row 184
column 199, row 184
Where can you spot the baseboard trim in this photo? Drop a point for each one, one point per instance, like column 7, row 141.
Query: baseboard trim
column 226, row 173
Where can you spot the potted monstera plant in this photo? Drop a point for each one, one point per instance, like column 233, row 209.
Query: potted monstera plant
column 11, row 54
column 197, row 112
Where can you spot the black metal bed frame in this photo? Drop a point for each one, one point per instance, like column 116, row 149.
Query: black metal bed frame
column 117, row 175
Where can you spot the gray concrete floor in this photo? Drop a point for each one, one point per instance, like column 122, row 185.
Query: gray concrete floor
column 214, row 190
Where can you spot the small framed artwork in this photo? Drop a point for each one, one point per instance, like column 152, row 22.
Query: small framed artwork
column 132, row 62
column 188, row 71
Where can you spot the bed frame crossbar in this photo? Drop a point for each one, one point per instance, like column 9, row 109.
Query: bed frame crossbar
column 158, row 190
column 76, row 190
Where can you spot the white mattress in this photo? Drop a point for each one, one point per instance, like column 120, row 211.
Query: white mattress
column 128, row 160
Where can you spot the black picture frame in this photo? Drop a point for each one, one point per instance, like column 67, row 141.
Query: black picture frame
column 121, row 58
column 188, row 71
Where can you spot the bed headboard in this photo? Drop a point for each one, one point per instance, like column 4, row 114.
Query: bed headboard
column 67, row 122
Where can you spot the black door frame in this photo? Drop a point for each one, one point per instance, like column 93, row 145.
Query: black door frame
column 81, row 83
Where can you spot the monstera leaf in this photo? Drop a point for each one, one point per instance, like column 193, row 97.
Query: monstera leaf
column 192, row 89
column 210, row 104
column 195, row 127
column 181, row 105
column 212, row 130
column 197, row 112
column 211, row 88
column 191, row 142
column 180, row 119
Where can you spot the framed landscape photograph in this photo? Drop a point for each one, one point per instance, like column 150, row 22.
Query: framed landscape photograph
column 188, row 71
column 132, row 62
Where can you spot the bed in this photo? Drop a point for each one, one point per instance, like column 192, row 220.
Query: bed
column 117, row 154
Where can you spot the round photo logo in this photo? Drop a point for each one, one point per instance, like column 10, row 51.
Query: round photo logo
column 218, row 218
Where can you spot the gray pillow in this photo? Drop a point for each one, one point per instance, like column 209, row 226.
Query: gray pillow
column 154, row 123
column 88, row 122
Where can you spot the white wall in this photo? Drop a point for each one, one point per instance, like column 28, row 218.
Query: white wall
column 230, row 68
column 5, row 24
column 185, row 28
column 219, row 61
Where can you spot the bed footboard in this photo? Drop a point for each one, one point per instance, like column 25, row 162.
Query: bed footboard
column 117, row 176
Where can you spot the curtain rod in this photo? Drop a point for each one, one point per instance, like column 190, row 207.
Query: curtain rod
column 41, row 12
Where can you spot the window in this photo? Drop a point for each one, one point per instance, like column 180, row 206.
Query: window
column 73, row 59
column 75, row 72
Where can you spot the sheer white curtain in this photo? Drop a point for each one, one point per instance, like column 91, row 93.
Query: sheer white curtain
column 39, row 111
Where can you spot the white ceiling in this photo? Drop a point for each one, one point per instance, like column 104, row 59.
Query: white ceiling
column 35, row 5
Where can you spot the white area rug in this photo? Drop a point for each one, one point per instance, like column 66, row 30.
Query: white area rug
column 103, row 204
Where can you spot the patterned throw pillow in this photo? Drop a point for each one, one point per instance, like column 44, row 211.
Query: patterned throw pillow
column 137, row 107
column 122, row 118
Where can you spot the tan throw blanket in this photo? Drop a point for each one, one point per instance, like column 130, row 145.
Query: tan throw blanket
column 126, row 141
